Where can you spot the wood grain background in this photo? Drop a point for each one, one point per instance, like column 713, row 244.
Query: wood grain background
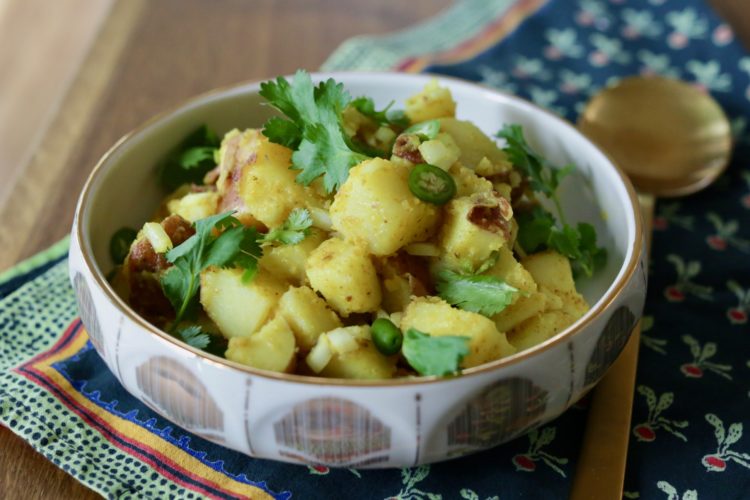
column 84, row 72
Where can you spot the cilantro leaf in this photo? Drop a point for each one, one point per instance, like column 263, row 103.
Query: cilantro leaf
column 194, row 336
column 313, row 127
column 538, row 228
column 485, row 295
column 434, row 355
column 189, row 162
column 235, row 246
column 543, row 177
column 366, row 106
column 294, row 229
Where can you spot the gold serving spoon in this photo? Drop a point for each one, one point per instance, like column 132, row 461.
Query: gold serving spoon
column 672, row 139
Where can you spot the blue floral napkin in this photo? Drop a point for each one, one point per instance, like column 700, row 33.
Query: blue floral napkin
column 693, row 394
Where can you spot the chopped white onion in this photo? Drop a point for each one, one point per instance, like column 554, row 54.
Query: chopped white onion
column 157, row 236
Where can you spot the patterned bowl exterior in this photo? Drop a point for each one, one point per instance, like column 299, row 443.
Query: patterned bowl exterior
column 340, row 425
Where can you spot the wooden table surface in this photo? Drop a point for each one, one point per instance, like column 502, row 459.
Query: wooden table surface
column 94, row 69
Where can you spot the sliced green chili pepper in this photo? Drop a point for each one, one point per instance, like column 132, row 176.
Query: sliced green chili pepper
column 425, row 130
column 386, row 336
column 431, row 184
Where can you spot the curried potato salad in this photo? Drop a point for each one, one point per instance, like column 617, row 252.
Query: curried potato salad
column 345, row 241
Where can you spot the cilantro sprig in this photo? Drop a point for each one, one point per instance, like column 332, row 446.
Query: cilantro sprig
column 294, row 229
column 234, row 246
column 313, row 128
column 190, row 160
column 481, row 294
column 386, row 116
column 434, row 355
column 195, row 336
column 538, row 228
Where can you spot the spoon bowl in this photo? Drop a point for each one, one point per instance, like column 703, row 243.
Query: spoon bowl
column 670, row 137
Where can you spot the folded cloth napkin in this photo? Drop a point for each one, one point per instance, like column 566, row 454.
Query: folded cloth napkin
column 693, row 385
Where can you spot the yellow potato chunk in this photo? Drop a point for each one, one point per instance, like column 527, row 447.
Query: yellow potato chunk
column 525, row 305
column 344, row 274
column 239, row 309
column 194, row 206
column 539, row 328
column 376, row 206
column 287, row 262
column 307, row 315
column 474, row 227
column 467, row 182
column 432, row 102
column 354, row 356
column 270, row 348
column 434, row 316
column 475, row 146
column 550, row 269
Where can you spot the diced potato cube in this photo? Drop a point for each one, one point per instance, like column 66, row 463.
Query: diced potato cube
column 239, row 309
column 344, row 273
column 467, row 182
column 539, row 328
column 550, row 269
column 475, row 145
column 194, row 206
column 355, row 356
column 509, row 269
column 376, row 206
column 271, row 348
column 523, row 308
column 474, row 227
column 432, row 102
column 441, row 151
column 433, row 316
column 307, row 314
column 287, row 262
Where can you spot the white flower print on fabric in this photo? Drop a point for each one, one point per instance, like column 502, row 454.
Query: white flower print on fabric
column 738, row 315
column 573, row 83
column 607, row 50
column 495, row 78
column 640, row 23
column 708, row 76
column 673, row 494
column 725, row 234
column 593, row 13
column 546, row 99
column 700, row 364
column 646, row 431
column 684, row 285
column 409, row 479
column 526, row 462
column 653, row 343
column 656, row 64
column 718, row 461
column 562, row 43
column 528, row 68
column 668, row 215
column 472, row 495
column 686, row 25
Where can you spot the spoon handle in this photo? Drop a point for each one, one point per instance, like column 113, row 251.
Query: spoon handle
column 601, row 464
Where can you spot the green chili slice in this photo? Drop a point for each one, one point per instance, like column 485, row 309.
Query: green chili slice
column 431, row 184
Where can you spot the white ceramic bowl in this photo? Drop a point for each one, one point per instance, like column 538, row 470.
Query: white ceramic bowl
column 357, row 423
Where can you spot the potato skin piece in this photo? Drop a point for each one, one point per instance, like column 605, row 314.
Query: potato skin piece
column 434, row 316
column 307, row 315
column 237, row 308
column 376, row 206
column 270, row 348
column 344, row 274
